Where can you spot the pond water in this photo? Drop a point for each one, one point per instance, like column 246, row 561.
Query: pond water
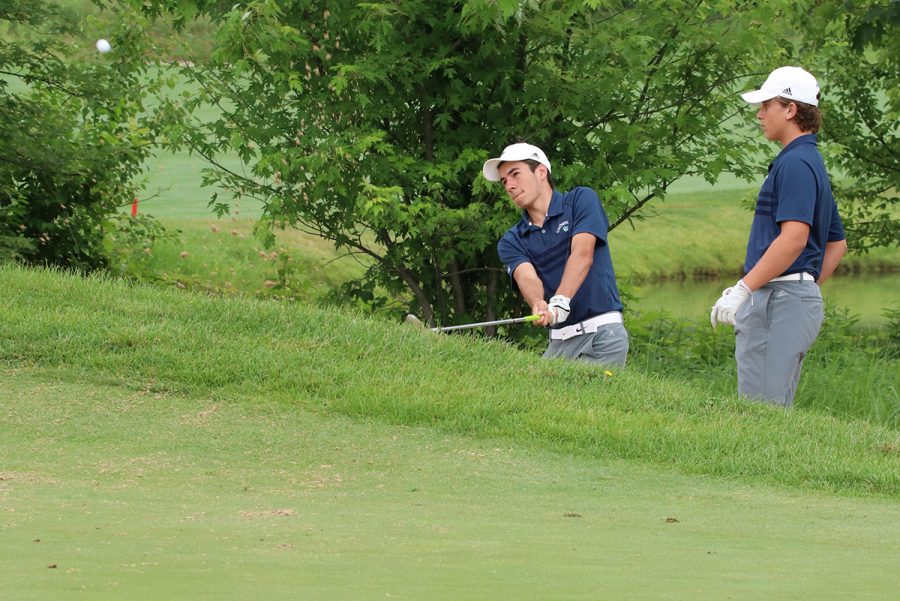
column 866, row 296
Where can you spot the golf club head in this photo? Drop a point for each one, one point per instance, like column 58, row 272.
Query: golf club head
column 412, row 320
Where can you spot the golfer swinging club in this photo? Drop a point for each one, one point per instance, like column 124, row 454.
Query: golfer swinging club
column 796, row 241
column 558, row 257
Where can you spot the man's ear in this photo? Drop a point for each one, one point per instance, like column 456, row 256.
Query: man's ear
column 791, row 110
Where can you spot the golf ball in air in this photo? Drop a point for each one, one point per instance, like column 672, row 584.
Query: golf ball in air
column 103, row 46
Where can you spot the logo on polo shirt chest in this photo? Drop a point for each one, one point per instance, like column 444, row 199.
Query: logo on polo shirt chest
column 563, row 226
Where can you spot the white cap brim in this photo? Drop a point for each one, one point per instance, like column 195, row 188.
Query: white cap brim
column 491, row 171
column 758, row 96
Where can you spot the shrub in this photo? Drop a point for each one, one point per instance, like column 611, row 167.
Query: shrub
column 73, row 134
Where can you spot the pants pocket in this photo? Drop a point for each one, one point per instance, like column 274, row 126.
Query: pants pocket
column 753, row 313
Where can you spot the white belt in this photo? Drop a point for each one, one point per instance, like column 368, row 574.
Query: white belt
column 588, row 326
column 794, row 277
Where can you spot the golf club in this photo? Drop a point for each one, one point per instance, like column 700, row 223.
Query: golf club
column 482, row 324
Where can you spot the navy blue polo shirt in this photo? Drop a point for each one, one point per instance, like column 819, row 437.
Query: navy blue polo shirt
column 548, row 247
column 797, row 188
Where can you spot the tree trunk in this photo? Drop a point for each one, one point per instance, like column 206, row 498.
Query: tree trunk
column 427, row 310
column 459, row 293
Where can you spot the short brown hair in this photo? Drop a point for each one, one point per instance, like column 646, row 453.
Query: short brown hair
column 532, row 164
column 808, row 119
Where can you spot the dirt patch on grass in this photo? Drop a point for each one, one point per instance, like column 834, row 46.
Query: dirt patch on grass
column 268, row 513
column 9, row 478
column 135, row 467
column 201, row 418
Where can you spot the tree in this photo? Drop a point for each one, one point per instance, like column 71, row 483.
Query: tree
column 367, row 122
column 856, row 54
column 73, row 133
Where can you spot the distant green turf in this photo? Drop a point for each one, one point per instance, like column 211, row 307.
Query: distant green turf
column 225, row 256
column 174, row 188
column 865, row 295
column 697, row 231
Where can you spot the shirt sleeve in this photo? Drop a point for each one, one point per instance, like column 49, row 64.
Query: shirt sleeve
column 796, row 190
column 512, row 254
column 588, row 215
column 836, row 229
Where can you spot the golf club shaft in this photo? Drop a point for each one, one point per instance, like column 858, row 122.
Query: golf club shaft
column 484, row 324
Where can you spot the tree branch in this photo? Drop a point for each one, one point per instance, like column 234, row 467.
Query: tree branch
column 632, row 210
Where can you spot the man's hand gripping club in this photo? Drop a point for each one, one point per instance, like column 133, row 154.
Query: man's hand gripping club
column 552, row 313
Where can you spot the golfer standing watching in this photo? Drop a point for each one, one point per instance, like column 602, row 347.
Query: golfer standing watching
column 558, row 257
column 796, row 241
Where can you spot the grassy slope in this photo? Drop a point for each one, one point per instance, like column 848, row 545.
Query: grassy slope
column 225, row 256
column 232, row 349
column 135, row 493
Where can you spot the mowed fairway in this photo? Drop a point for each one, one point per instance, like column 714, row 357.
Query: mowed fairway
column 132, row 494
column 157, row 445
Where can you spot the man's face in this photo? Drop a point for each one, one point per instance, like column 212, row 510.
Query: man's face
column 522, row 184
column 774, row 118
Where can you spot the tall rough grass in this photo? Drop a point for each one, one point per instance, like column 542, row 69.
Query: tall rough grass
column 233, row 349
column 849, row 371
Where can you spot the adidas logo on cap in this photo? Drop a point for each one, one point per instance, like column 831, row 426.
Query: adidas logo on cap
column 786, row 91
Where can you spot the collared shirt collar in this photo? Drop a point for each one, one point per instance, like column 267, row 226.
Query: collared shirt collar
column 804, row 139
column 555, row 208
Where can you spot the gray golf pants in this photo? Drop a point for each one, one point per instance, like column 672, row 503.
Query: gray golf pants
column 774, row 328
column 608, row 346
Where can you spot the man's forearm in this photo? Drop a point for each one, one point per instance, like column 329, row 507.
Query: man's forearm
column 530, row 285
column 783, row 251
column 834, row 252
column 576, row 270
column 578, row 264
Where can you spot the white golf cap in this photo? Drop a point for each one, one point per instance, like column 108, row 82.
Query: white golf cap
column 514, row 152
column 792, row 83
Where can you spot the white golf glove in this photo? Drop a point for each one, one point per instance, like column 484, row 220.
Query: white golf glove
column 726, row 307
column 559, row 309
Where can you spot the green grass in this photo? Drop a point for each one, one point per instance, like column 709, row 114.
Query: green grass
column 160, row 444
column 867, row 295
column 850, row 371
column 173, row 188
column 141, row 494
column 691, row 234
column 696, row 232
column 226, row 257
column 225, row 349
column 703, row 233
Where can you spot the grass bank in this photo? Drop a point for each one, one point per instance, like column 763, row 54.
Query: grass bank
column 702, row 233
column 224, row 256
column 226, row 350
